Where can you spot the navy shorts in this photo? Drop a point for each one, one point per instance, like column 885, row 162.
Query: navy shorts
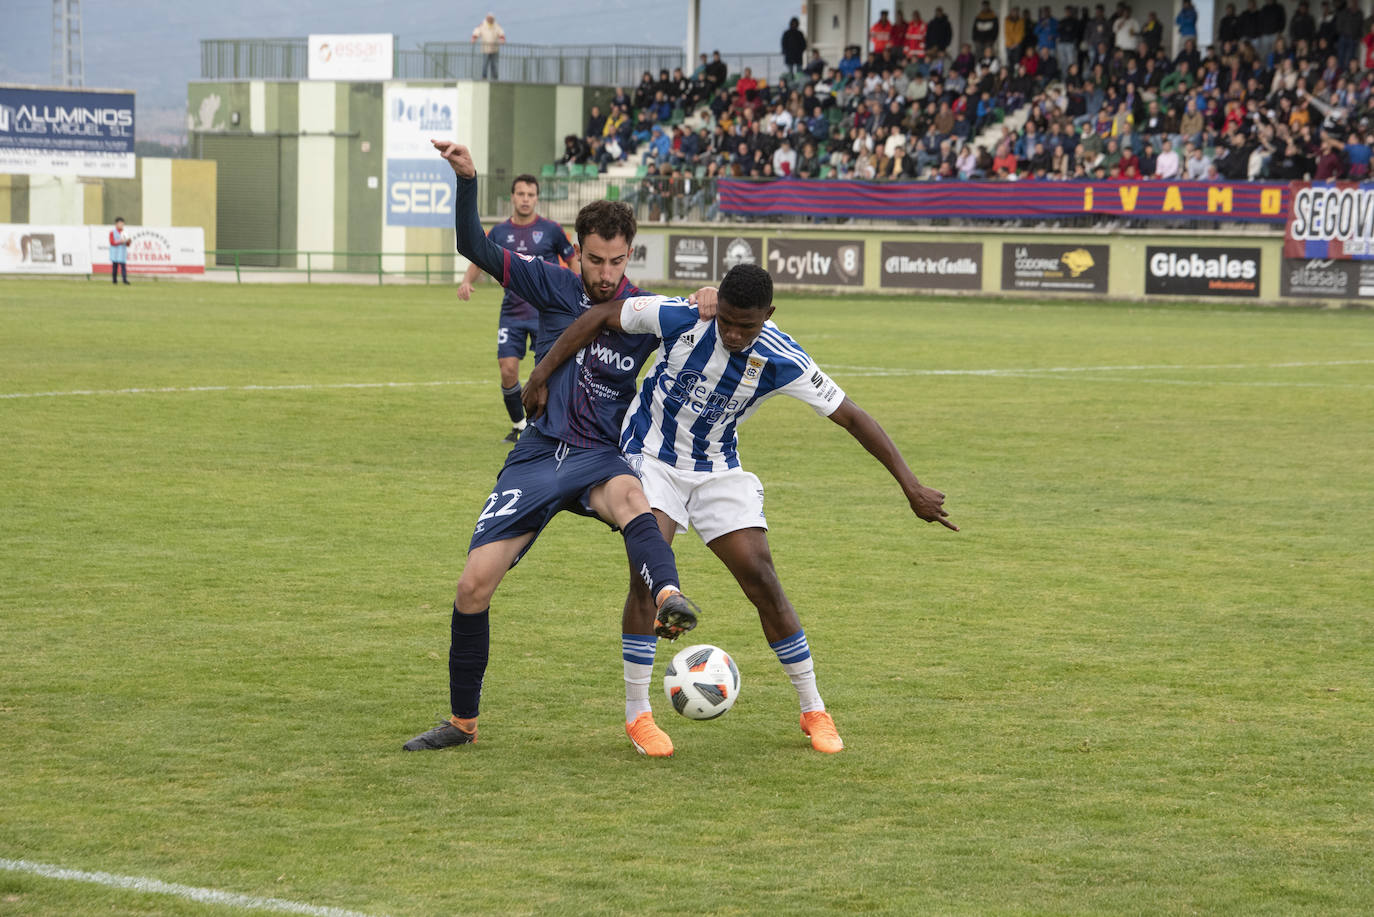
column 515, row 337
column 543, row 477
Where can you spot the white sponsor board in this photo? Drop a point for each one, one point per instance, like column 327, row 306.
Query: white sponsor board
column 153, row 249
column 28, row 249
column 351, row 57
column 419, row 185
column 648, row 258
column 75, row 162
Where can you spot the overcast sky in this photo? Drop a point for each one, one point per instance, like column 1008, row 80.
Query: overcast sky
column 153, row 46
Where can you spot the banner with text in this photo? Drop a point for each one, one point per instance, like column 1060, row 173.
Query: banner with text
column 28, row 249
column 706, row 259
column 817, row 262
column 932, row 265
column 1317, row 278
column 1264, row 202
column 419, row 185
column 153, row 249
column 1067, row 268
column 351, row 57
column 1331, row 220
column 66, row 132
column 1192, row 271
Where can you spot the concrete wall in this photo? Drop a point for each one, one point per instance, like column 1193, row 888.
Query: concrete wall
column 330, row 174
column 163, row 192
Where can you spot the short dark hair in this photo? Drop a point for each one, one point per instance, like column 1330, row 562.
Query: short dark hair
column 119, row 219
column 606, row 219
column 526, row 178
column 747, row 286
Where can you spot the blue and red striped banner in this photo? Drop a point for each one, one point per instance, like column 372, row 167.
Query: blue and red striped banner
column 1262, row 202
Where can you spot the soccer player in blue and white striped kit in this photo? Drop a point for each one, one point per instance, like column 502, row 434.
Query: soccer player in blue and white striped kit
column 680, row 434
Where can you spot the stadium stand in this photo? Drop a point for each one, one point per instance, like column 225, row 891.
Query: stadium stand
column 1280, row 95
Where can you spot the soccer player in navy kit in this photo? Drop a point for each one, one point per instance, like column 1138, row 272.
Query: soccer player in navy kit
column 528, row 234
column 568, row 459
column 680, row 433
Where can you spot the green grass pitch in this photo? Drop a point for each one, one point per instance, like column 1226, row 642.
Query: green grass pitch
column 1137, row 681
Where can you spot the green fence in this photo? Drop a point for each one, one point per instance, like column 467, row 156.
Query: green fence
column 437, row 267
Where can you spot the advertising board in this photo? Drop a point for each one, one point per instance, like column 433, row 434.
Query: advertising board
column 66, row 132
column 1064, row 268
column 152, row 249
column 817, row 262
column 419, row 185
column 706, row 259
column 1325, row 278
column 351, row 57
column 932, row 265
column 1192, row 271
column 29, row 249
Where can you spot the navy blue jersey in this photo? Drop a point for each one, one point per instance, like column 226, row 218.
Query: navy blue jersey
column 543, row 239
column 588, row 396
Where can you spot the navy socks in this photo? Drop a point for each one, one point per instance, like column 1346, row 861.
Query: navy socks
column 467, row 661
column 650, row 557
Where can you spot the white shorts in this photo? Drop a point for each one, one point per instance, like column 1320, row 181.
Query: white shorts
column 714, row 503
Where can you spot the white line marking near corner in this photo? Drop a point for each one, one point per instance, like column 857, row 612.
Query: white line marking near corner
column 302, row 387
column 1050, row 370
column 153, row 886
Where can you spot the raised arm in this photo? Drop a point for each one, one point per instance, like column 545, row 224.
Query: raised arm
column 473, row 243
column 578, row 335
column 926, row 502
column 532, row 279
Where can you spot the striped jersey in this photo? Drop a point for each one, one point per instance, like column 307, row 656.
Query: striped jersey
column 697, row 393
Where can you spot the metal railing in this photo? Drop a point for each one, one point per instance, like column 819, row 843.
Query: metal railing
column 571, row 65
column 437, row 266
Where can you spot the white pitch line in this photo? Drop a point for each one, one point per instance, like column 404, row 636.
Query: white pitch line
column 856, row 371
column 153, row 886
column 303, row 387
column 1046, row 370
column 1235, row 383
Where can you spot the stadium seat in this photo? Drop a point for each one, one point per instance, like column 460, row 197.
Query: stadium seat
column 561, row 170
column 546, row 170
column 613, row 192
column 642, row 171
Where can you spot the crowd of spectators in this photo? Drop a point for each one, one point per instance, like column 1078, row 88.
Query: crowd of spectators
column 1281, row 94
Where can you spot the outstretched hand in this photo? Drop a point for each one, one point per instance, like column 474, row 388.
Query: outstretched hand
column 458, row 156
column 929, row 504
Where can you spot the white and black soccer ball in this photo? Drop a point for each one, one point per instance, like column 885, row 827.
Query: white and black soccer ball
column 702, row 682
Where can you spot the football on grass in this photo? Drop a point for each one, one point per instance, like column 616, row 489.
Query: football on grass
column 702, row 682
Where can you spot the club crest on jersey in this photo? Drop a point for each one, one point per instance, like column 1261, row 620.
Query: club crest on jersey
column 753, row 370
column 537, row 235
